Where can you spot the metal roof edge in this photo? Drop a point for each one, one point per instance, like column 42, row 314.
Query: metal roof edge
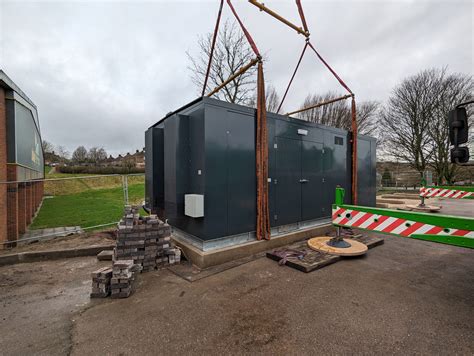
column 6, row 82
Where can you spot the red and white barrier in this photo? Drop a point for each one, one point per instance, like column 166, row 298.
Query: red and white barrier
column 391, row 225
column 444, row 193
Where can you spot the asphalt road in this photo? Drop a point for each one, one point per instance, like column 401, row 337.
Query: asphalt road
column 457, row 207
column 404, row 297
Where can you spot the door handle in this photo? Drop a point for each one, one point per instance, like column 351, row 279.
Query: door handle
column 304, row 180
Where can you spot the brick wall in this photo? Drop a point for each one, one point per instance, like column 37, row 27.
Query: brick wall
column 3, row 168
column 21, row 209
column 12, row 205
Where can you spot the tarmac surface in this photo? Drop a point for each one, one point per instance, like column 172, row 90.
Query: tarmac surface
column 404, row 297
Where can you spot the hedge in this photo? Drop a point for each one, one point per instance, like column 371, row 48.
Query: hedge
column 99, row 170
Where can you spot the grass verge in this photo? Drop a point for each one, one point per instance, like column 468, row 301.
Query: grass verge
column 86, row 208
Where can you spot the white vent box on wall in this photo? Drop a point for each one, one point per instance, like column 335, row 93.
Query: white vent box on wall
column 194, row 205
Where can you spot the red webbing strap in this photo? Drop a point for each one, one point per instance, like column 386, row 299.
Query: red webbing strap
column 354, row 152
column 293, row 76
column 246, row 33
column 300, row 11
column 261, row 158
column 330, row 69
column 214, row 37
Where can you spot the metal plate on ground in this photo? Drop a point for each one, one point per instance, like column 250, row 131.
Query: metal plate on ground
column 314, row 260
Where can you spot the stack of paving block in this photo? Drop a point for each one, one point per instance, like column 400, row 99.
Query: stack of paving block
column 122, row 283
column 145, row 240
column 101, row 282
column 173, row 255
column 130, row 243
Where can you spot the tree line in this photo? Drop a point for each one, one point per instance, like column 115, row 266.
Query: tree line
column 81, row 155
column 411, row 126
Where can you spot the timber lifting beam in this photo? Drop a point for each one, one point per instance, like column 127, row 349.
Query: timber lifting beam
column 446, row 229
column 272, row 13
column 241, row 71
column 327, row 102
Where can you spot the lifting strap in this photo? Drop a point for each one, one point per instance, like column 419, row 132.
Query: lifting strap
column 263, row 212
column 300, row 11
column 246, row 33
column 213, row 44
column 330, row 69
column 293, row 76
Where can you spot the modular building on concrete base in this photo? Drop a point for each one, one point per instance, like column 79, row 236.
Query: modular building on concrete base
column 200, row 172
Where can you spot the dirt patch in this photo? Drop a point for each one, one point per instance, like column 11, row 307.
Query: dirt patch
column 38, row 301
column 102, row 238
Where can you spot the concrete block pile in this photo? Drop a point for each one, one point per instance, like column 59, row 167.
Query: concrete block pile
column 146, row 240
column 122, row 283
column 143, row 244
column 101, row 282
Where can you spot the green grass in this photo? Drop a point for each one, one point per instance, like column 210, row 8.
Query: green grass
column 73, row 186
column 86, row 208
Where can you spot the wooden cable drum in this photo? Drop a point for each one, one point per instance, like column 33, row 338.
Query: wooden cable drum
column 320, row 244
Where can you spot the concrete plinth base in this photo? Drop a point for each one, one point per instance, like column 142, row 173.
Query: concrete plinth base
column 204, row 259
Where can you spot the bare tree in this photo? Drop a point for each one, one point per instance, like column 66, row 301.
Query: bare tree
column 272, row 99
column 231, row 52
column 414, row 121
column 63, row 153
column 405, row 121
column 97, row 155
column 447, row 90
column 48, row 147
column 339, row 114
column 79, row 155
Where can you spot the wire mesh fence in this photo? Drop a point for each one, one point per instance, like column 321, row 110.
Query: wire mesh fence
column 68, row 204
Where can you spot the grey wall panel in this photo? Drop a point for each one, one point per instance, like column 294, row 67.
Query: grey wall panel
column 196, row 153
column 196, row 168
column 154, row 170
column 288, row 127
column 272, row 152
column 366, row 171
column 176, row 167
column 170, row 140
column 241, row 179
column 335, row 166
column 312, row 174
column 216, row 197
column 150, row 201
column 288, row 187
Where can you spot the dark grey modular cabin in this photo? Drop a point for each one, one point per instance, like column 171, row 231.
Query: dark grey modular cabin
column 206, row 149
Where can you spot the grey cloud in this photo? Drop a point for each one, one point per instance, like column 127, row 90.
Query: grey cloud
column 102, row 72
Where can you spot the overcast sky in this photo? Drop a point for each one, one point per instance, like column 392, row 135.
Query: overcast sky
column 102, row 72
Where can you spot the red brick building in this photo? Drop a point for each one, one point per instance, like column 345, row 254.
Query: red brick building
column 21, row 161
